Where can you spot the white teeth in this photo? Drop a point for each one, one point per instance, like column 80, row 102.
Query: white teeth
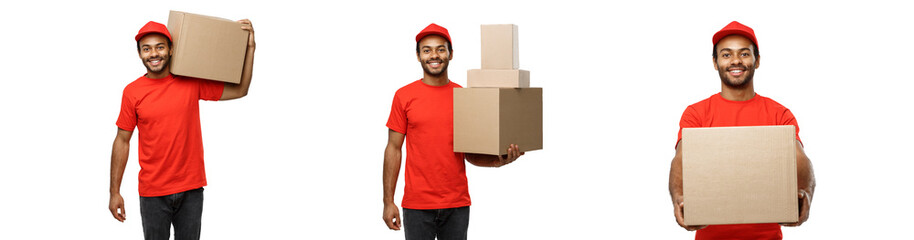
column 736, row 71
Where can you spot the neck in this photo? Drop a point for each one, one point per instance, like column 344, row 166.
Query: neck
column 737, row 94
column 439, row 80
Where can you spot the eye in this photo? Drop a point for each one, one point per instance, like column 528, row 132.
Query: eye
column 160, row 47
column 745, row 54
column 426, row 50
column 725, row 55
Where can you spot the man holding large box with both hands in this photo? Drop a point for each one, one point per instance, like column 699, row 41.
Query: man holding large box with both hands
column 729, row 114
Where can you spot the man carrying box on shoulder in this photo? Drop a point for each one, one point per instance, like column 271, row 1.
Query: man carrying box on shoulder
column 736, row 57
column 165, row 108
column 436, row 200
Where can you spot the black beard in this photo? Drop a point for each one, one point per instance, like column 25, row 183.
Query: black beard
column 164, row 62
column 427, row 71
column 750, row 73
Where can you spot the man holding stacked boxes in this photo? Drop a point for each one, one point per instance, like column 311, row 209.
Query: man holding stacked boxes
column 436, row 199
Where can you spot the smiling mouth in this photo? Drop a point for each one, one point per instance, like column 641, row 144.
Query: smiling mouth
column 736, row 72
column 434, row 64
column 155, row 62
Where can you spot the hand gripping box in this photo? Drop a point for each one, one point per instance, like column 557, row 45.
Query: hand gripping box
column 487, row 120
column 207, row 47
column 735, row 175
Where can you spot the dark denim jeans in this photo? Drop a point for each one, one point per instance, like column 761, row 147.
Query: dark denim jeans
column 183, row 209
column 446, row 224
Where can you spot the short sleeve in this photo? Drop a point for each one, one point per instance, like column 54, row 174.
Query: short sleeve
column 689, row 120
column 397, row 119
column 211, row 90
column 126, row 120
column 788, row 119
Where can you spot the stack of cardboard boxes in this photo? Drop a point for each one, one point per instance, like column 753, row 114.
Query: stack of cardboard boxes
column 498, row 107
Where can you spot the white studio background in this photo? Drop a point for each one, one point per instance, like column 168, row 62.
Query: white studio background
column 300, row 157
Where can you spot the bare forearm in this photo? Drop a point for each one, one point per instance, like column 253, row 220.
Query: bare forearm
column 483, row 160
column 247, row 72
column 806, row 178
column 676, row 177
column 676, row 174
column 233, row 91
column 119, row 153
column 392, row 158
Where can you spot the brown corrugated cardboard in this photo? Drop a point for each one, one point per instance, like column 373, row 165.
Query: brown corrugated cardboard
column 498, row 78
column 499, row 46
column 487, row 120
column 733, row 175
column 207, row 47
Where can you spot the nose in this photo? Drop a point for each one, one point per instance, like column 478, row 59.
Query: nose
column 736, row 61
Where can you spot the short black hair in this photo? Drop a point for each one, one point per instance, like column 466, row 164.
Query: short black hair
column 166, row 39
column 449, row 47
column 754, row 50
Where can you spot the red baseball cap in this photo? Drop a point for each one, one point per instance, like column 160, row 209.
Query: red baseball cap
column 434, row 29
column 153, row 27
column 735, row 28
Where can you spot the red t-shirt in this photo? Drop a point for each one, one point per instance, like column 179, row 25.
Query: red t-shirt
column 716, row 111
column 167, row 113
column 435, row 174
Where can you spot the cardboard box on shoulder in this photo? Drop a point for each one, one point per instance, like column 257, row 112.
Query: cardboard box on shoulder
column 499, row 46
column 498, row 78
column 487, row 120
column 736, row 175
column 207, row 47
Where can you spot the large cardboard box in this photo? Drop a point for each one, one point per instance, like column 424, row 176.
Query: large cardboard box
column 207, row 47
column 499, row 46
column 734, row 175
column 498, row 78
column 487, row 120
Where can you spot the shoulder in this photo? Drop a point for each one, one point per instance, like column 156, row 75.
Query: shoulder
column 409, row 88
column 136, row 85
column 770, row 103
column 188, row 79
column 704, row 103
column 454, row 85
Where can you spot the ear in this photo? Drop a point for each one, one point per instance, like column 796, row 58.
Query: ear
column 417, row 57
column 450, row 55
column 758, row 61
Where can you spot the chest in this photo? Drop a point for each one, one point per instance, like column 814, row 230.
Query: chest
column 176, row 100
column 431, row 110
column 724, row 115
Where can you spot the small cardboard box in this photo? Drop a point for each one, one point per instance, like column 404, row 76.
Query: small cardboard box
column 207, row 47
column 499, row 46
column 498, row 78
column 487, row 120
column 735, row 175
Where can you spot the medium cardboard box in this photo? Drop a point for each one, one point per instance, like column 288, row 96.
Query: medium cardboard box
column 499, row 46
column 498, row 78
column 487, row 120
column 207, row 47
column 734, row 175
